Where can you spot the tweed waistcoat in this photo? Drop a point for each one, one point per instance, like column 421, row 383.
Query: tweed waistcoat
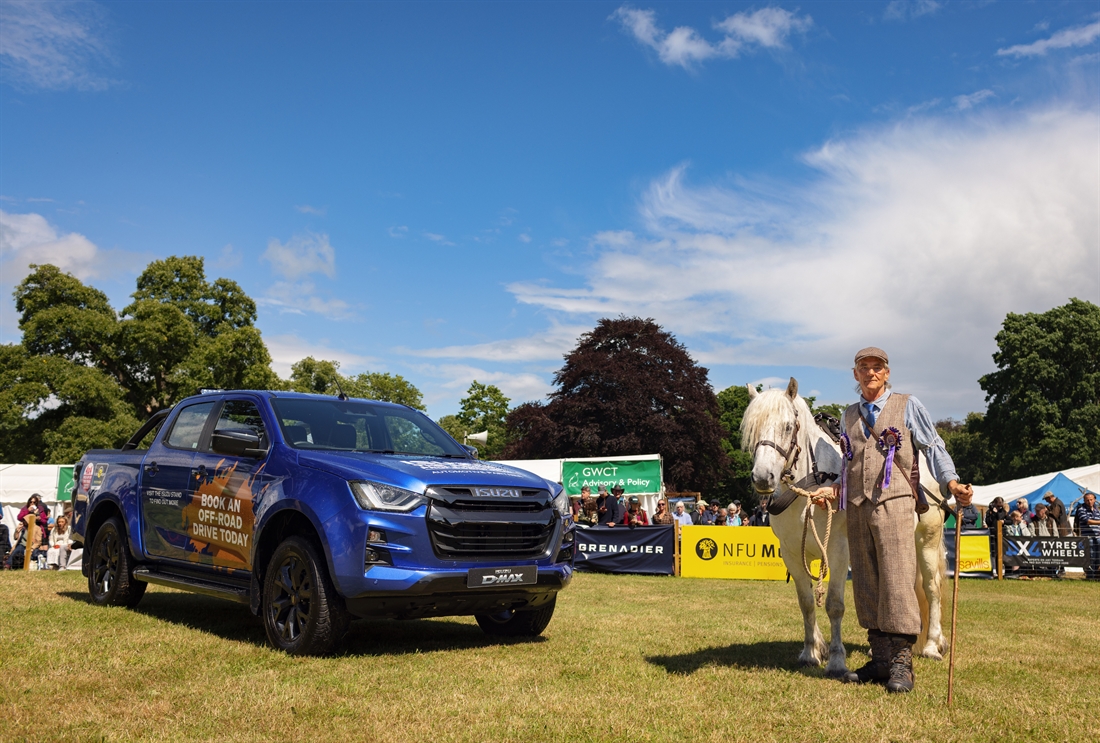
column 868, row 465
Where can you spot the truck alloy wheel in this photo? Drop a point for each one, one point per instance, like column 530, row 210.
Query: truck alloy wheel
column 109, row 581
column 303, row 614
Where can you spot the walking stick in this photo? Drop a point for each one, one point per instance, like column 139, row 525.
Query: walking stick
column 954, row 610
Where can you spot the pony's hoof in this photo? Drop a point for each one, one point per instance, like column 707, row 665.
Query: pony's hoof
column 932, row 652
column 836, row 674
column 808, row 662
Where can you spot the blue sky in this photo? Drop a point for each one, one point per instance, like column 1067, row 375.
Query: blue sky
column 451, row 191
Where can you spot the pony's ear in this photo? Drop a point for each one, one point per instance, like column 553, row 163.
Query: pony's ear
column 792, row 388
column 752, row 392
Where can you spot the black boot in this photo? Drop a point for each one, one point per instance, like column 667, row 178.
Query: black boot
column 877, row 669
column 901, row 665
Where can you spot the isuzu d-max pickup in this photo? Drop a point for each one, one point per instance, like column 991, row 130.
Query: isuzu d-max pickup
column 314, row 510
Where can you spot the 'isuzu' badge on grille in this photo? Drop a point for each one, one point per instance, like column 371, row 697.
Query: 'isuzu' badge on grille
column 497, row 493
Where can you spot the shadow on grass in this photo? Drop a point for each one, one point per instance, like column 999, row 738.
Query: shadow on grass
column 366, row 637
column 781, row 656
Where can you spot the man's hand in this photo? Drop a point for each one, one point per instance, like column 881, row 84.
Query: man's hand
column 822, row 496
column 962, row 493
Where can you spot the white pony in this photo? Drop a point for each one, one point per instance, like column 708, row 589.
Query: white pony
column 779, row 429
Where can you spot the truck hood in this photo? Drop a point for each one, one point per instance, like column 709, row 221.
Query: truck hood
column 416, row 473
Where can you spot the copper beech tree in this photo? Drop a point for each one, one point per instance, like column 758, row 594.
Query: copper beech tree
column 628, row 388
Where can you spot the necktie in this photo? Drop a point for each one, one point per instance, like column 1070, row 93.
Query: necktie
column 871, row 412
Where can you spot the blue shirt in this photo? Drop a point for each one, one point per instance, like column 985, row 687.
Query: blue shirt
column 919, row 422
column 1083, row 515
column 682, row 518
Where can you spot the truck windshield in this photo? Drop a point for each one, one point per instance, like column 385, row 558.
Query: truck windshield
column 350, row 425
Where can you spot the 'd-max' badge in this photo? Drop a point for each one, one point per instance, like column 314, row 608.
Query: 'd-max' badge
column 486, row 577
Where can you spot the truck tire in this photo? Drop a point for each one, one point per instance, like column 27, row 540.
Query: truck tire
column 302, row 613
column 522, row 623
column 110, row 581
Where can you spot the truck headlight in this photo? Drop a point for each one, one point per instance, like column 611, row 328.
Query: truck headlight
column 375, row 496
column 561, row 504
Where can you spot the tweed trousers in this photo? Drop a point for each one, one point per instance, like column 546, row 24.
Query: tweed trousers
column 884, row 565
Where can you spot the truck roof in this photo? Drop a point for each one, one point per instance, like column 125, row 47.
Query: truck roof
column 290, row 395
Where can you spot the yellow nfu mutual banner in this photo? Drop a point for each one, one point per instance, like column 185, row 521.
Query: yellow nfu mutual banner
column 745, row 552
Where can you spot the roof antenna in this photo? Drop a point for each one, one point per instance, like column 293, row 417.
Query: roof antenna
column 341, row 396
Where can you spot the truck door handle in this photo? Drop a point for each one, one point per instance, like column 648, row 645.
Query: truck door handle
column 152, row 469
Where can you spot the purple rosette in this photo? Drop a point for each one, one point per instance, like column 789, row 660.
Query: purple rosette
column 845, row 457
column 888, row 443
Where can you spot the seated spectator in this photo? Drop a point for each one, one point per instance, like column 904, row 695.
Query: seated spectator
column 1024, row 510
column 710, row 516
column 38, row 508
column 969, row 517
column 1087, row 518
column 635, row 515
column 699, row 517
column 662, row 517
column 680, row 516
column 57, row 557
column 1043, row 525
column 1017, row 527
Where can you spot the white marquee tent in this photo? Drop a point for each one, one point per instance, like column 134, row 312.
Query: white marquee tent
column 1087, row 477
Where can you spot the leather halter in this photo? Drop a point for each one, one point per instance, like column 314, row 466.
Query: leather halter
column 790, row 454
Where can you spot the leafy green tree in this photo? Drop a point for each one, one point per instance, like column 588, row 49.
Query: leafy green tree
column 85, row 375
column 322, row 376
column 969, row 449
column 628, row 388
column 485, row 408
column 736, row 483
column 1044, row 399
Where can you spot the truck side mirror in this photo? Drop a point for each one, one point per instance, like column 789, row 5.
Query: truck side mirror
column 237, row 443
column 471, row 450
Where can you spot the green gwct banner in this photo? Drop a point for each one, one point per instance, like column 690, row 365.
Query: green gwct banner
column 636, row 478
column 65, row 483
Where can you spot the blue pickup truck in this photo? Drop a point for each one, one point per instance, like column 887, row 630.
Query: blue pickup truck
column 314, row 510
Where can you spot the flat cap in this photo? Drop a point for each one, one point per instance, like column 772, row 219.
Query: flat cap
column 870, row 352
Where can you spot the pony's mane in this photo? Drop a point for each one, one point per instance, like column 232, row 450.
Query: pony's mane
column 768, row 407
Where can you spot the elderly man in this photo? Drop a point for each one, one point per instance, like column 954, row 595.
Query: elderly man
column 884, row 432
column 680, row 516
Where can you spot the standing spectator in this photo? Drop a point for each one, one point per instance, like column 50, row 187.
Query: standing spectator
column 662, row 517
column 1087, row 517
column 57, row 557
column 636, row 515
column 5, row 545
column 624, row 504
column 1024, row 510
column 680, row 516
column 761, row 517
column 721, row 518
column 607, row 508
column 997, row 512
column 969, row 518
column 1058, row 513
column 733, row 515
column 699, row 517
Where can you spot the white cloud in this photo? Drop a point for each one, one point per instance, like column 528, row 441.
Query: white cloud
column 287, row 350
column 317, row 211
column 520, row 387
column 229, row 257
column 302, row 255
column 437, row 238
column 300, row 298
column 53, row 46
column 398, row 231
column 29, row 238
column 684, row 46
column 524, row 237
column 971, row 220
column 552, row 344
column 1064, row 39
column 963, row 102
column 900, row 10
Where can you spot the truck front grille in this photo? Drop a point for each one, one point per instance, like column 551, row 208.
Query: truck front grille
column 490, row 529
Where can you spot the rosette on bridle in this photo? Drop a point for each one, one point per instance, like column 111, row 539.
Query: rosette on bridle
column 888, row 444
column 845, row 456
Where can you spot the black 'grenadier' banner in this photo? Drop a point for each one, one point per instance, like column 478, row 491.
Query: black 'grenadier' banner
column 620, row 549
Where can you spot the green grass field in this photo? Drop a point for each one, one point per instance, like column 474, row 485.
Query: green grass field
column 626, row 658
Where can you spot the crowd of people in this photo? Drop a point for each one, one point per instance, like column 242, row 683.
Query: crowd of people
column 49, row 547
column 616, row 509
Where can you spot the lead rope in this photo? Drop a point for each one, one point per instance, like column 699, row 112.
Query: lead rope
column 809, row 525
